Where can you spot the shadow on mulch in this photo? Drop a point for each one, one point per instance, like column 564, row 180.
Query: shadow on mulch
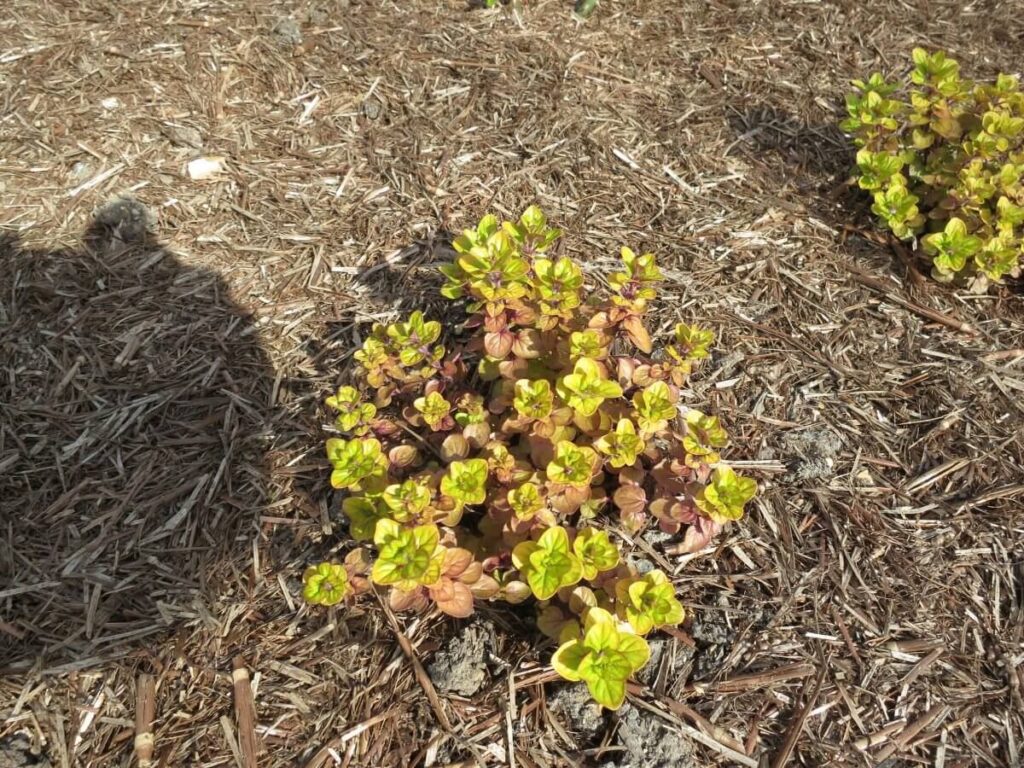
column 817, row 163
column 393, row 288
column 133, row 405
column 817, row 160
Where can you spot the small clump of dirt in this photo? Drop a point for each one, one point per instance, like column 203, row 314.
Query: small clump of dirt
column 578, row 710
column 16, row 752
column 649, row 742
column 287, row 32
column 461, row 666
column 183, row 135
column 714, row 639
column 812, row 452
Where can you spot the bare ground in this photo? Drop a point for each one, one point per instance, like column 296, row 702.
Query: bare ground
column 161, row 485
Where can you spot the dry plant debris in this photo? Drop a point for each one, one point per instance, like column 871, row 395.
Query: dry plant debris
column 160, row 470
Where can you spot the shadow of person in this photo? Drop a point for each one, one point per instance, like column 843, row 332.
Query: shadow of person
column 132, row 422
column 818, row 159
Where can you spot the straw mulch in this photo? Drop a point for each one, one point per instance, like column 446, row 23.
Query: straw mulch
column 161, row 479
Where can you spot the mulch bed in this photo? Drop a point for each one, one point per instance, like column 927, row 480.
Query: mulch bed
column 161, row 475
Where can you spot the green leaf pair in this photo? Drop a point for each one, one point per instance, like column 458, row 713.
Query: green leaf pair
column 604, row 658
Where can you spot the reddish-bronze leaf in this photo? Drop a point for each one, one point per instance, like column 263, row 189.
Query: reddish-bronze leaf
column 477, row 434
column 456, row 561
column 485, row 587
column 698, row 535
column 472, row 573
column 634, row 328
column 454, row 447
column 630, row 499
column 413, row 600
column 402, row 456
column 499, row 344
column 453, row 597
column 527, row 344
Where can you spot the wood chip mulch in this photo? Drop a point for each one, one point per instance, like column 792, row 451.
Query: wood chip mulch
column 161, row 476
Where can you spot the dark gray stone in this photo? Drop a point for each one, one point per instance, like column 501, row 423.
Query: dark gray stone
column 461, row 666
column 577, row 710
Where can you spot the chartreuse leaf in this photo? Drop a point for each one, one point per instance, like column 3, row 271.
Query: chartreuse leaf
column 572, row 465
column 354, row 461
column 604, row 658
column 407, row 500
column 694, row 341
column 325, row 584
column 434, row 408
column 407, row 557
column 876, row 168
column 654, row 406
column 638, row 271
column 595, row 551
column 586, row 387
column 526, row 500
column 589, row 343
column 534, row 399
column 951, row 248
column 547, row 564
column 724, row 497
column 621, row 446
column 414, row 337
column 704, row 436
column 997, row 257
column 466, row 481
column 648, row 602
column 557, row 283
column 353, row 414
column 362, row 512
column 897, row 206
column 532, row 230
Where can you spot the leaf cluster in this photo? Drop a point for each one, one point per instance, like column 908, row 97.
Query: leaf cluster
column 943, row 158
column 508, row 464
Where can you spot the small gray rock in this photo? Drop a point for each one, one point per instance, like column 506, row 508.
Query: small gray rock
column 710, row 628
column 584, row 716
column 640, row 564
column 371, row 108
column 656, row 536
column 461, row 667
column 650, row 742
column 714, row 640
column 318, row 16
column 81, row 170
column 287, row 32
column 120, row 223
column 183, row 135
column 812, row 452
column 16, row 752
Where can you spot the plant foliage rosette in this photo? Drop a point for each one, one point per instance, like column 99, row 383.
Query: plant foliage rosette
column 508, row 466
column 943, row 158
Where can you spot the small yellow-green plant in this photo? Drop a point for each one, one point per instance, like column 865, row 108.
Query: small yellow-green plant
column 509, row 464
column 943, row 158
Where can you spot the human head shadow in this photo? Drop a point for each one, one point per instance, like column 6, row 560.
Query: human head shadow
column 393, row 288
column 815, row 158
column 132, row 422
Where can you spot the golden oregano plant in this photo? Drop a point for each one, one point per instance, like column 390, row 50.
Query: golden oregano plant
column 944, row 158
column 512, row 464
